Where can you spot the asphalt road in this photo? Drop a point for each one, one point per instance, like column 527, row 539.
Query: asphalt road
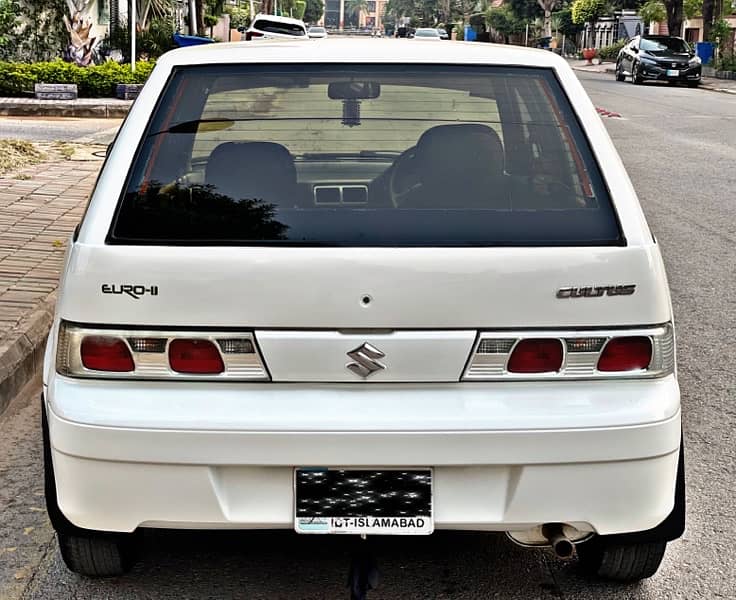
column 50, row 129
column 678, row 145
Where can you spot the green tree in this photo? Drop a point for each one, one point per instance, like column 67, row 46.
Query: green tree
column 692, row 8
column 355, row 7
column 547, row 7
column 525, row 10
column 504, row 22
column 564, row 23
column 674, row 11
column 709, row 7
column 314, row 11
column 299, row 7
column 9, row 11
column 239, row 16
column 653, row 11
column 587, row 11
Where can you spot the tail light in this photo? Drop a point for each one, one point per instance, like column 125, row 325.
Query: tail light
column 598, row 354
column 159, row 354
column 632, row 353
column 536, row 356
column 106, row 353
column 249, row 35
column 194, row 356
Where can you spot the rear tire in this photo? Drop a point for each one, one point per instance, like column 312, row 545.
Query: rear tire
column 621, row 561
column 97, row 555
column 85, row 551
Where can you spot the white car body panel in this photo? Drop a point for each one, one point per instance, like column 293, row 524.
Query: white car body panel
column 221, row 455
column 267, row 35
column 424, row 356
column 496, row 450
column 410, row 287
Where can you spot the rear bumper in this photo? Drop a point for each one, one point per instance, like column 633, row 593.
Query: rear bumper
column 602, row 456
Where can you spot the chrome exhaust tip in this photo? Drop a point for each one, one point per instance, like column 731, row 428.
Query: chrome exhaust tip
column 559, row 542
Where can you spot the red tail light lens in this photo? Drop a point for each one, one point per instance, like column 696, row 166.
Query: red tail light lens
column 536, row 356
column 626, row 354
column 249, row 35
column 199, row 357
column 106, row 353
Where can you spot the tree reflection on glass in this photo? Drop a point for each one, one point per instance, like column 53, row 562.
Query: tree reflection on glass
column 196, row 213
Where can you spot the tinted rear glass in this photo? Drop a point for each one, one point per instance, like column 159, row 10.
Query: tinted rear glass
column 278, row 27
column 364, row 155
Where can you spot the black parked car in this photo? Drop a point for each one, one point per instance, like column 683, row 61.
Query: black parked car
column 658, row 57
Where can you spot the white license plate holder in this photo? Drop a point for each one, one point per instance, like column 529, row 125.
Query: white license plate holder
column 363, row 501
column 673, row 73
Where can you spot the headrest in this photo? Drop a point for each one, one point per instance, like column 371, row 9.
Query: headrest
column 465, row 150
column 253, row 170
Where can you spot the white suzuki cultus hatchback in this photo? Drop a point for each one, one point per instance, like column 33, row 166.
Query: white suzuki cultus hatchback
column 365, row 287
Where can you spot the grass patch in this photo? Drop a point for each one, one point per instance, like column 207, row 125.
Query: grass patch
column 18, row 153
column 64, row 149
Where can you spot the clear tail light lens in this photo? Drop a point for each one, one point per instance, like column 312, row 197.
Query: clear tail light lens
column 161, row 354
column 197, row 357
column 536, row 356
column 584, row 354
column 106, row 353
column 633, row 353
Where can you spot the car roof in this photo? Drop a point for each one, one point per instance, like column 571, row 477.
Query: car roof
column 661, row 37
column 278, row 18
column 362, row 50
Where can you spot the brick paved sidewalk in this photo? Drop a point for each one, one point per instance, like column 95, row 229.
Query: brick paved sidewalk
column 39, row 208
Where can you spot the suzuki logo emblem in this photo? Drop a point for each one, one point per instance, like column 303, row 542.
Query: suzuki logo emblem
column 365, row 357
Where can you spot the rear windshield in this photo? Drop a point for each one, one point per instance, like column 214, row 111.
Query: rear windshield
column 278, row 27
column 364, row 155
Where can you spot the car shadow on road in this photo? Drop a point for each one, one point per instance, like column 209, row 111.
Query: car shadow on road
column 178, row 564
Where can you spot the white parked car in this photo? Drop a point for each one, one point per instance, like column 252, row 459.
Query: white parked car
column 421, row 276
column 426, row 33
column 274, row 26
column 317, row 32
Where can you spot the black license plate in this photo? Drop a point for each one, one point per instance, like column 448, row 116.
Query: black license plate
column 381, row 501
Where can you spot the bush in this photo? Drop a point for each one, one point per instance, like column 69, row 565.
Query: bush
column 99, row 81
column 157, row 39
column 239, row 17
column 587, row 11
column 611, row 52
column 727, row 63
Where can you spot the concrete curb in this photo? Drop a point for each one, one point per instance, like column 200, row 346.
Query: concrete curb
column 21, row 354
column 85, row 108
